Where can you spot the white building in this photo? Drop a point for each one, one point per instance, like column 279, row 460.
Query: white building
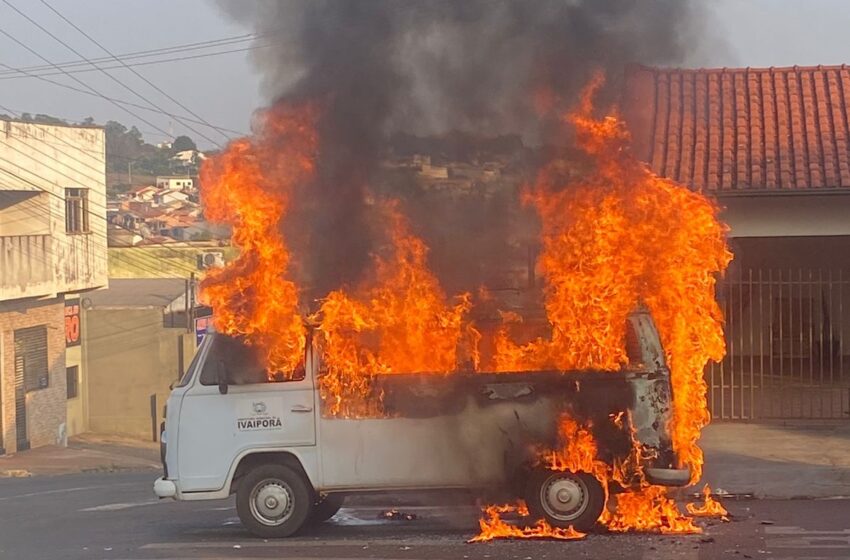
column 175, row 183
column 52, row 247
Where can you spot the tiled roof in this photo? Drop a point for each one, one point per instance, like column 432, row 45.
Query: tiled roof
column 743, row 129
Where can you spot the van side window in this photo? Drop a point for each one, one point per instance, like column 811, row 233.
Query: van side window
column 244, row 364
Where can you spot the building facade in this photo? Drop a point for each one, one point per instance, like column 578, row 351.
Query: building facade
column 138, row 339
column 52, row 248
column 772, row 147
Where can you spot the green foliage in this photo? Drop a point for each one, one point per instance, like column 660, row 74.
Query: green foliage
column 182, row 143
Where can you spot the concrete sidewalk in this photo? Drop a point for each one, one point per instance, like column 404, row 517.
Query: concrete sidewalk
column 85, row 453
column 778, row 461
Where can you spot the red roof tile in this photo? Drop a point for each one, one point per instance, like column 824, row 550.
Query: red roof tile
column 743, row 129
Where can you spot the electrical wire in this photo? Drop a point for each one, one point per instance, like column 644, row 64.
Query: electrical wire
column 104, row 72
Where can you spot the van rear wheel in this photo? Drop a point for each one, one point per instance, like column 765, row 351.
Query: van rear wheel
column 273, row 501
column 565, row 499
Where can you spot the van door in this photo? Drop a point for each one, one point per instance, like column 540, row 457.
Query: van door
column 255, row 413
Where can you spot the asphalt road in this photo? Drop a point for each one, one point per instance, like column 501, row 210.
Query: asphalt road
column 115, row 516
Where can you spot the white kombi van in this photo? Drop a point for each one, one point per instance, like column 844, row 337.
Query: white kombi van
column 229, row 430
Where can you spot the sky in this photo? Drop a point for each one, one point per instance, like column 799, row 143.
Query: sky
column 224, row 90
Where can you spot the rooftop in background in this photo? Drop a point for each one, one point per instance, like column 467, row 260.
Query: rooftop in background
column 139, row 292
column 743, row 130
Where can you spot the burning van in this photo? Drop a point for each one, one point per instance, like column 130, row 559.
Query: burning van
column 291, row 460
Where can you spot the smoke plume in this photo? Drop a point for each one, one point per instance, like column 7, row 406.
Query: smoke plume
column 427, row 67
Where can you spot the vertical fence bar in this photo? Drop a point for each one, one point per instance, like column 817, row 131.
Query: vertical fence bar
column 723, row 362
column 761, row 344
column 800, row 335
column 781, row 342
column 831, row 316
column 752, row 347
column 811, row 348
column 841, row 323
column 741, row 352
column 820, row 342
column 770, row 332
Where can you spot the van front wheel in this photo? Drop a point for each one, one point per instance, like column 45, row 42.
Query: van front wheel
column 273, row 501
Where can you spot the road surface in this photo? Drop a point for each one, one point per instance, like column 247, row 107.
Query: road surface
column 115, row 516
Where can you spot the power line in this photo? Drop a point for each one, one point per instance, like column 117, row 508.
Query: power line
column 185, row 47
column 8, row 35
column 114, row 100
column 140, row 76
column 104, row 72
column 129, row 66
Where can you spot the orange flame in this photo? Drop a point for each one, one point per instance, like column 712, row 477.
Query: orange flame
column 494, row 527
column 400, row 322
column 649, row 510
column 579, row 453
column 613, row 236
column 249, row 186
column 709, row 508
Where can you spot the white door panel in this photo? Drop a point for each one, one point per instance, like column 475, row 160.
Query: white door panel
column 216, row 428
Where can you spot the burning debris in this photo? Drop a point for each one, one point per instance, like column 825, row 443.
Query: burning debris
column 494, row 527
column 709, row 508
column 396, row 515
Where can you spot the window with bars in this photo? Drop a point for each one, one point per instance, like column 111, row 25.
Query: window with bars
column 72, row 375
column 76, row 210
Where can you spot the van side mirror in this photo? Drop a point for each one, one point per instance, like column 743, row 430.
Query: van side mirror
column 221, row 374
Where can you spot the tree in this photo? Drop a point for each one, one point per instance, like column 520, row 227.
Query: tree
column 183, row 143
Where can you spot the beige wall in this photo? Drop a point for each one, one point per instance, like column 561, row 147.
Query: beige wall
column 41, row 158
column 24, row 213
column 129, row 357
column 45, row 407
column 794, row 215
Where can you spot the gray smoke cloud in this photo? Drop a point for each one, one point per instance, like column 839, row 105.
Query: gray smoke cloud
column 427, row 67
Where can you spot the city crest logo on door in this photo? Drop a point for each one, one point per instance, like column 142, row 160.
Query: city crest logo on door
column 261, row 416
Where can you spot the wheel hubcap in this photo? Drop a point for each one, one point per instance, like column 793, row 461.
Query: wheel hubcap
column 564, row 497
column 271, row 502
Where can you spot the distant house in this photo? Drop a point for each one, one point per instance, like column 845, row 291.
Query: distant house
column 175, row 182
column 144, row 193
column 189, row 157
column 167, row 196
column 772, row 147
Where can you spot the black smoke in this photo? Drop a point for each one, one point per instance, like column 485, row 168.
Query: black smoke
column 427, row 67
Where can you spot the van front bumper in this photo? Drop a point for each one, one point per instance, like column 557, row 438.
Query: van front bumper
column 668, row 477
column 164, row 488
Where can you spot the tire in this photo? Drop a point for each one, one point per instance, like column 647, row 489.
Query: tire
column 326, row 508
column 274, row 501
column 565, row 499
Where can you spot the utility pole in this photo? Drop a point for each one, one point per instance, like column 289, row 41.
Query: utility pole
column 130, row 173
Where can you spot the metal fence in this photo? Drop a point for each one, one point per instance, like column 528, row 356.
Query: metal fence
column 785, row 350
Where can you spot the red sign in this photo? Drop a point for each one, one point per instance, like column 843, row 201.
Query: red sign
column 72, row 322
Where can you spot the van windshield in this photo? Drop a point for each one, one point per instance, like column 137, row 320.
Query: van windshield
column 243, row 363
column 193, row 365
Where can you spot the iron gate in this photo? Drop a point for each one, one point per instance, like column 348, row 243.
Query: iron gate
column 785, row 351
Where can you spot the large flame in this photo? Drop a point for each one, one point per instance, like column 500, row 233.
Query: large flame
column 397, row 322
column 615, row 236
column 249, row 186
